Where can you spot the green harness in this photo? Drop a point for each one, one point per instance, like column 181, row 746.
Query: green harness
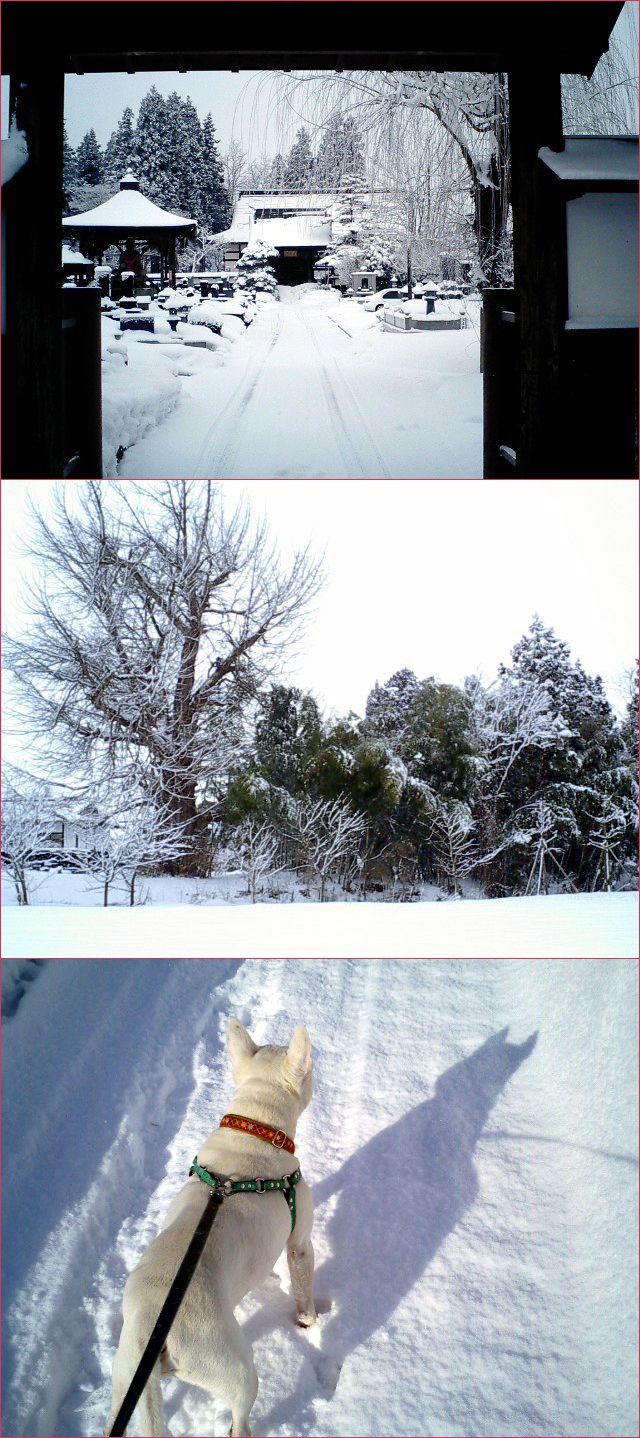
column 223, row 1187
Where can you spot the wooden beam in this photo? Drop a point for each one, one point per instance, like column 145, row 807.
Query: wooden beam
column 535, row 110
column 32, row 340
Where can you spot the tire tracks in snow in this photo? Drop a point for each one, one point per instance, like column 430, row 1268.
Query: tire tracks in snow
column 339, row 416
column 65, row 1320
column 234, row 410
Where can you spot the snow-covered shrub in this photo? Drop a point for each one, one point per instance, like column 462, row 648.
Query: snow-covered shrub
column 254, row 273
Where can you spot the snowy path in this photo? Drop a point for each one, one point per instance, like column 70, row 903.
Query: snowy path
column 316, row 390
column 476, row 1193
column 555, row 926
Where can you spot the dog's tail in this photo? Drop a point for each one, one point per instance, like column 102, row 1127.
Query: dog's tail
column 149, row 1411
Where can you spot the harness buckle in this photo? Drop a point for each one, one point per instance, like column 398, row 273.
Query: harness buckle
column 225, row 1188
column 259, row 1185
column 282, row 1137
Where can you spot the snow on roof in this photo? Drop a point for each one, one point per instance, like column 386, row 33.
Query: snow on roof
column 593, row 158
column 303, row 230
column 245, row 223
column 127, row 212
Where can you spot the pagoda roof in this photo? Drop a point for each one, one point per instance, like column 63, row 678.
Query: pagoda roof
column 129, row 213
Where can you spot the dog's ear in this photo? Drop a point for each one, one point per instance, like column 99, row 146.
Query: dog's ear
column 240, row 1043
column 297, row 1063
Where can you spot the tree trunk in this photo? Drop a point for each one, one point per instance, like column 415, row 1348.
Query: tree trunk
column 20, row 882
column 178, row 797
column 105, row 899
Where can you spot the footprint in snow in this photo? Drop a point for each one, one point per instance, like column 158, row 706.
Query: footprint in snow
column 327, row 1372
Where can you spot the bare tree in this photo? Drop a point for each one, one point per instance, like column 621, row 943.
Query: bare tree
column 545, row 824
column 607, row 102
column 28, row 817
column 132, row 838
column 451, row 836
column 156, row 619
column 234, row 162
column 258, row 854
column 607, row 837
column 506, row 719
column 325, row 833
column 470, row 108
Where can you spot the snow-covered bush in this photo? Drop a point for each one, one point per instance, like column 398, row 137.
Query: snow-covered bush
column 254, row 273
column 326, row 834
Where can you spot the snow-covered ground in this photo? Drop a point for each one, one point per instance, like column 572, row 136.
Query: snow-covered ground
column 314, row 389
column 209, row 919
column 476, row 1215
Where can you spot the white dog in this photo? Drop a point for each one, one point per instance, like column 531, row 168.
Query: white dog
column 206, row 1345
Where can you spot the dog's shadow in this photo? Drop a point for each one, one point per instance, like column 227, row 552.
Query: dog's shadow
column 397, row 1199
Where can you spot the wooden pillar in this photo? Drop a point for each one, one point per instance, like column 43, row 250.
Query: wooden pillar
column 535, row 109
column 32, row 345
column 171, row 265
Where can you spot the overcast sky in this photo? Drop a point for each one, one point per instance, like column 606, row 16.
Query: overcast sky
column 441, row 576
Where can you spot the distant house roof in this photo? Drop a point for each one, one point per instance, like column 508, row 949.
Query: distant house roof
column 128, row 213
column 269, row 217
column 594, row 157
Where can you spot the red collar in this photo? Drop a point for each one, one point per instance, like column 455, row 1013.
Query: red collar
column 274, row 1136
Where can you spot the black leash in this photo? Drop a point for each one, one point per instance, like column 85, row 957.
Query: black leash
column 166, row 1316
column 219, row 1189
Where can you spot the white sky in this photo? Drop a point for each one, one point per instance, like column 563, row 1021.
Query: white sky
column 441, row 576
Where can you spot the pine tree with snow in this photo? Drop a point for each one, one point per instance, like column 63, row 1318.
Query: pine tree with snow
column 214, row 209
column 353, row 163
column 329, row 163
column 254, row 273
column 299, row 174
column 388, row 707
column 340, row 153
column 89, row 160
column 289, row 734
column 69, row 172
column 277, row 174
column 120, row 150
column 151, row 137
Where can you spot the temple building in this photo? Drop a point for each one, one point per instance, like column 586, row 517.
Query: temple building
column 297, row 226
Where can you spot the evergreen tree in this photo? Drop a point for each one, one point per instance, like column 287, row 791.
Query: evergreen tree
column 300, row 167
column 586, row 757
column 89, row 160
column 69, row 172
column 289, row 735
column 389, row 706
column 340, row 153
column 215, row 206
column 255, row 274
column 276, row 174
column 329, row 164
column 120, row 151
column 352, row 149
column 151, row 138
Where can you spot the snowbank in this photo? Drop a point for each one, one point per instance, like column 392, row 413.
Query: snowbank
column 573, row 925
column 135, row 398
